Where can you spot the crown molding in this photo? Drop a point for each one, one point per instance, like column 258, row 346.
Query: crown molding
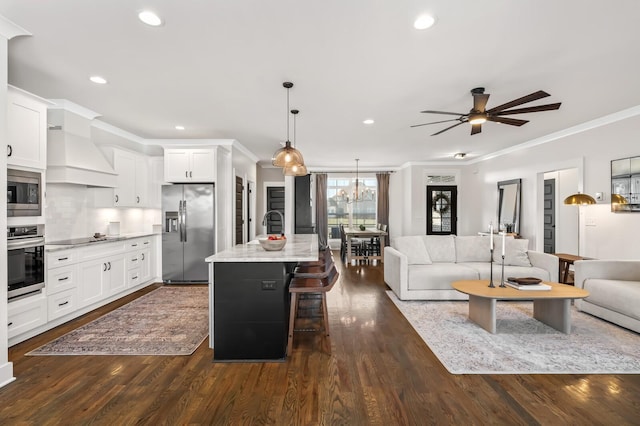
column 9, row 29
column 72, row 107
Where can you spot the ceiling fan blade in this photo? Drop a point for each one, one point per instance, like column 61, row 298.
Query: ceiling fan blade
column 480, row 101
column 450, row 127
column 461, row 114
column 523, row 100
column 538, row 108
column 435, row 122
column 510, row 121
column 476, row 128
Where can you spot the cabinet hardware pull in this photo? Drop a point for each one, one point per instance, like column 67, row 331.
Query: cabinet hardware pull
column 63, row 258
column 10, row 324
column 137, row 199
column 146, row 242
column 104, row 267
column 109, row 265
column 134, row 245
column 186, row 173
column 63, row 279
column 190, row 174
column 135, row 259
column 142, row 256
column 117, row 198
column 9, row 150
column 63, row 303
column 134, row 278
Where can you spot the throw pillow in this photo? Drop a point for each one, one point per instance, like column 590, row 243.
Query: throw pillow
column 516, row 253
column 413, row 248
column 472, row 248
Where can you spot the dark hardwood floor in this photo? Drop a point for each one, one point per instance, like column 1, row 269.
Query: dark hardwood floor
column 379, row 372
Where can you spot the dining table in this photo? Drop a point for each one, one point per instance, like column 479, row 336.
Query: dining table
column 366, row 233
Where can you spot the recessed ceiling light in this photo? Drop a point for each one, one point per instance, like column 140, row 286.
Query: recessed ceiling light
column 179, row 127
column 368, row 121
column 150, row 18
column 459, row 155
column 424, row 21
column 97, row 79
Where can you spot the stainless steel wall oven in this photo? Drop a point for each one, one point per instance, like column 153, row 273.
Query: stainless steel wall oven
column 24, row 193
column 25, row 263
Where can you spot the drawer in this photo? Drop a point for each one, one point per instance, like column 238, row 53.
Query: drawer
column 134, row 259
column 138, row 243
column 60, row 279
column 61, row 304
column 26, row 314
column 134, row 277
column 59, row 258
column 101, row 249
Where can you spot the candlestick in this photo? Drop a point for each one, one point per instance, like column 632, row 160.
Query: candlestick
column 491, row 268
column 491, row 236
column 502, row 275
column 504, row 243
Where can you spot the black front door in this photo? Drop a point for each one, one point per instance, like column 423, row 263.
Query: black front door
column 549, row 216
column 441, row 210
column 275, row 201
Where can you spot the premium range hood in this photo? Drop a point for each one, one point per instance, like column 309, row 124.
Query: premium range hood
column 71, row 155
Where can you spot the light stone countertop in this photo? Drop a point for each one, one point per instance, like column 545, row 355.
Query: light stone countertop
column 55, row 247
column 299, row 248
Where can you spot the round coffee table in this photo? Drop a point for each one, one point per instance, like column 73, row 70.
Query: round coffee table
column 552, row 307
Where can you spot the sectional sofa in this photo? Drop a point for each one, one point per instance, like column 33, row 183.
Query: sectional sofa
column 614, row 290
column 423, row 267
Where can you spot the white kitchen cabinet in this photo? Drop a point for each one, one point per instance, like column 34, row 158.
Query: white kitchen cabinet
column 132, row 182
column 101, row 278
column 26, row 314
column 190, row 165
column 61, row 279
column 27, row 129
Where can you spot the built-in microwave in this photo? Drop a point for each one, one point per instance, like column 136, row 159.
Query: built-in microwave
column 24, row 193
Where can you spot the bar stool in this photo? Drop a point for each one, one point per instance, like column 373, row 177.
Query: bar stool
column 311, row 285
column 324, row 256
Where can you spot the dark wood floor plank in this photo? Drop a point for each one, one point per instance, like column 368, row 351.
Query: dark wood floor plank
column 379, row 372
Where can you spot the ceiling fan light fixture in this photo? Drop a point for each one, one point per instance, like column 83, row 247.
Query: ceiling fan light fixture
column 477, row 118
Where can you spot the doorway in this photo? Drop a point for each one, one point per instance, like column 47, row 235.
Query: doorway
column 549, row 215
column 275, row 201
column 442, row 209
column 239, row 211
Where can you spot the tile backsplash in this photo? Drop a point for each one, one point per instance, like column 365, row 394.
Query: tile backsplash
column 70, row 213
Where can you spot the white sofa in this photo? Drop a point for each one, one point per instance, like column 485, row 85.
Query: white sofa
column 423, row 267
column 614, row 290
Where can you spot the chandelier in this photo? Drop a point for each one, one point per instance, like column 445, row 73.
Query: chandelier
column 359, row 192
column 287, row 155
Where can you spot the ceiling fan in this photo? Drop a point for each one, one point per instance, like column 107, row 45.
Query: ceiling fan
column 478, row 114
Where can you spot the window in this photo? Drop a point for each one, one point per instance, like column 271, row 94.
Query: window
column 342, row 202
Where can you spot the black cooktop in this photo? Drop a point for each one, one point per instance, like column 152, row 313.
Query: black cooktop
column 75, row 241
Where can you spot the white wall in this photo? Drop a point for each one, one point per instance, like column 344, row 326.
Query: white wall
column 590, row 153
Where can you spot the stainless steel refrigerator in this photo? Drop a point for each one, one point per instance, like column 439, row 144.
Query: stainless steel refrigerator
column 189, row 234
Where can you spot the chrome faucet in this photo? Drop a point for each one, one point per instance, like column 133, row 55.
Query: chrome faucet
column 266, row 216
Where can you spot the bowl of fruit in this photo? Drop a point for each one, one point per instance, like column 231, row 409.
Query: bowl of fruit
column 273, row 242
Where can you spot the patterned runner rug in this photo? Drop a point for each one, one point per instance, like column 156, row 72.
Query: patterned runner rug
column 166, row 321
column 522, row 345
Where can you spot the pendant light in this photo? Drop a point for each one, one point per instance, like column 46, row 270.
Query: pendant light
column 287, row 154
column 295, row 169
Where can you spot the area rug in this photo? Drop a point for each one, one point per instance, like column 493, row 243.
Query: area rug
column 166, row 321
column 522, row 345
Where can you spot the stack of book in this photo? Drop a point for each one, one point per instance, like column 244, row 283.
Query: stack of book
column 527, row 283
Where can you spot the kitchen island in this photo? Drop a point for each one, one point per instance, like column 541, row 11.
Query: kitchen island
column 249, row 298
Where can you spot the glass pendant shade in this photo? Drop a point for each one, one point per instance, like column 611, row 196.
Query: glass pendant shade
column 287, row 155
column 295, row 170
column 579, row 199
